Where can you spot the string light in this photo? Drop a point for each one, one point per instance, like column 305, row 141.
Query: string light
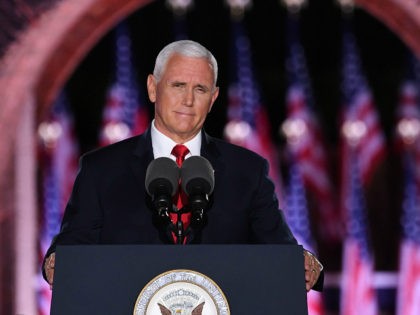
column 294, row 6
column 409, row 130
column 239, row 3
column 116, row 131
column 354, row 131
column 49, row 132
column 179, row 6
column 238, row 7
column 237, row 131
column 294, row 129
column 346, row 5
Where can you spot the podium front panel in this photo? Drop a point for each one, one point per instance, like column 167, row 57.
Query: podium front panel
column 107, row 279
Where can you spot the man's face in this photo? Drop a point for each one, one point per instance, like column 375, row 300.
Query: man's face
column 183, row 97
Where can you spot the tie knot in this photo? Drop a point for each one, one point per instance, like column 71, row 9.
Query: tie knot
column 180, row 151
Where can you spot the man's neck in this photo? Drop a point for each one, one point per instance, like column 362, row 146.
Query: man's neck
column 162, row 144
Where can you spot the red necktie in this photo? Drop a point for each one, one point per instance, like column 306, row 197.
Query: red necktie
column 180, row 151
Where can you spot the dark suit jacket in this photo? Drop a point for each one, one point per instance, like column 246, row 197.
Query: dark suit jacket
column 109, row 204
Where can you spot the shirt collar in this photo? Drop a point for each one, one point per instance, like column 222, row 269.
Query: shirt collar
column 163, row 145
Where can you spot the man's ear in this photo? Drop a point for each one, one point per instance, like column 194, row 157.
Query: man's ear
column 214, row 97
column 151, row 88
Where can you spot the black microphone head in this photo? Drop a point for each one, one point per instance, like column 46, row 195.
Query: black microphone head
column 162, row 171
column 197, row 173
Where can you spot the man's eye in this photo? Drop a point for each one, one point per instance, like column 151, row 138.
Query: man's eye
column 201, row 89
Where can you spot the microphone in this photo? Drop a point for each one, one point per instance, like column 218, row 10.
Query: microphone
column 197, row 181
column 161, row 183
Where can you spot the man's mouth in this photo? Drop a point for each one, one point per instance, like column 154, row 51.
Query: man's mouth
column 184, row 114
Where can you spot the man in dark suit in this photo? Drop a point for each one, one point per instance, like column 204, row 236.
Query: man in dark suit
column 109, row 203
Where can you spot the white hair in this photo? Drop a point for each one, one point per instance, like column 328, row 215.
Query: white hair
column 186, row 48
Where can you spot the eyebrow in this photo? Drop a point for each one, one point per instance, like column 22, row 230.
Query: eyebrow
column 201, row 86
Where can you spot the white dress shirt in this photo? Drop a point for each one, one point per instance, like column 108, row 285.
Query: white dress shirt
column 163, row 145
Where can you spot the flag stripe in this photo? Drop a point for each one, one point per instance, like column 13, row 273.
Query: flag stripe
column 248, row 124
column 308, row 147
column 58, row 162
column 408, row 294
column 362, row 148
column 123, row 115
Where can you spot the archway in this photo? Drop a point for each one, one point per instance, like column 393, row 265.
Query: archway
column 403, row 17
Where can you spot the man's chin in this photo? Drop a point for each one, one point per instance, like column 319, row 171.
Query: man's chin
column 185, row 133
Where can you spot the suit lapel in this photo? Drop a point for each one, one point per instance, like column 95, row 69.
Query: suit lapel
column 142, row 156
column 210, row 151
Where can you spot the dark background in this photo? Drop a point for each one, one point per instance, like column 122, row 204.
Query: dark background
column 382, row 53
column 384, row 59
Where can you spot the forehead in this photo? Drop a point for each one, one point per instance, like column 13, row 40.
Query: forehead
column 181, row 67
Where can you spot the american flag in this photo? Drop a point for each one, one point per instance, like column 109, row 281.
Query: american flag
column 124, row 115
column 408, row 294
column 297, row 215
column 408, row 297
column 59, row 163
column 248, row 124
column 362, row 146
column 305, row 138
column 361, row 121
column 358, row 295
column 408, row 116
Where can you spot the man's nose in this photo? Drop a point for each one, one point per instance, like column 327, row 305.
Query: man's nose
column 189, row 97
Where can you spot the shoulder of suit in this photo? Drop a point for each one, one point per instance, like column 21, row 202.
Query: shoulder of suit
column 225, row 147
column 117, row 148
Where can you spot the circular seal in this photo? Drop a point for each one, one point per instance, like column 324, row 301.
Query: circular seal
column 181, row 292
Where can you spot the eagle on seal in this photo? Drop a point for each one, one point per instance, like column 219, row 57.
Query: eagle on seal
column 198, row 310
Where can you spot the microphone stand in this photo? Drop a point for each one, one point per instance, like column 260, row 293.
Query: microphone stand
column 196, row 206
column 197, row 219
column 178, row 227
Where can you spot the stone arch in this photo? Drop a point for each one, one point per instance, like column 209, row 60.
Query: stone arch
column 39, row 62
column 401, row 16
